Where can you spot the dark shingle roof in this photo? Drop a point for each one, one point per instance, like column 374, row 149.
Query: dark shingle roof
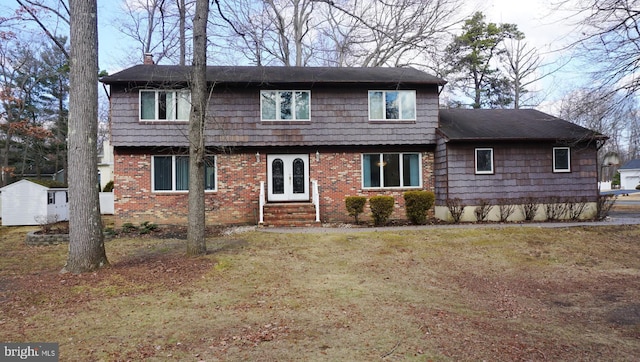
column 260, row 75
column 509, row 124
column 631, row 165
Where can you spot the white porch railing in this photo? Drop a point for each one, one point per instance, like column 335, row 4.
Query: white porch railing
column 316, row 198
column 262, row 201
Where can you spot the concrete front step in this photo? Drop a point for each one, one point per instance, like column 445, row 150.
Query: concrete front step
column 289, row 215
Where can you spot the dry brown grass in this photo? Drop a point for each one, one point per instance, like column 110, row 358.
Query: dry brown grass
column 436, row 294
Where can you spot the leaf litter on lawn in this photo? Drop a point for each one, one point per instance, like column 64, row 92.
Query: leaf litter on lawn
column 433, row 294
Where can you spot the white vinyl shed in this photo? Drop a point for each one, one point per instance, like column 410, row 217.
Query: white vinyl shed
column 630, row 175
column 28, row 203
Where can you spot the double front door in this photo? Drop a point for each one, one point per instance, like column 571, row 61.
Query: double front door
column 288, row 177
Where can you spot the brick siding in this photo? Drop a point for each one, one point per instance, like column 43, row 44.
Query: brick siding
column 239, row 176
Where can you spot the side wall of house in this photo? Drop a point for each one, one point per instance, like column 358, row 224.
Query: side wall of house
column 521, row 170
column 440, row 172
column 238, row 187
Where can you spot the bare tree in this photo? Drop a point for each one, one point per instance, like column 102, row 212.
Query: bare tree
column 343, row 32
column 196, row 243
column 59, row 9
column 397, row 33
column 633, row 126
column 609, row 42
column 158, row 27
column 522, row 63
column 601, row 111
column 255, row 24
column 86, row 241
column 271, row 30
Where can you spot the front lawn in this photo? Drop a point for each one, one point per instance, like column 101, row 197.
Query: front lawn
column 436, row 294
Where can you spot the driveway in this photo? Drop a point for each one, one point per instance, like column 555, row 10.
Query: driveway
column 627, row 205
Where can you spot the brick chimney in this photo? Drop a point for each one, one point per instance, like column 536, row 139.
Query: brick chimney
column 148, row 58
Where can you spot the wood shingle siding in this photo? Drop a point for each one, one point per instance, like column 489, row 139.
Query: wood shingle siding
column 339, row 116
column 521, row 170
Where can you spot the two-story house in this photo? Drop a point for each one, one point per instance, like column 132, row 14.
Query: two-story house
column 285, row 145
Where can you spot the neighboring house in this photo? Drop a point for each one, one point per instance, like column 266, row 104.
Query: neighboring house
column 29, row 203
column 630, row 175
column 285, row 145
column 505, row 156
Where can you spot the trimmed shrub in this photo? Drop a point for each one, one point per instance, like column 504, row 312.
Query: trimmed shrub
column 529, row 208
column 108, row 187
column 604, row 205
column 456, row 209
column 482, row 211
column 417, row 203
column 505, row 208
column 146, row 227
column 381, row 209
column 355, row 206
column 575, row 208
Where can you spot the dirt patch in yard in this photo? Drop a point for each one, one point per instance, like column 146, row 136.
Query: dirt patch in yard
column 436, row 294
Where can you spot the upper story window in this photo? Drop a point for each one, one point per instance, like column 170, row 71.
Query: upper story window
column 285, row 105
column 171, row 173
column 561, row 159
column 484, row 160
column 391, row 170
column 393, row 105
column 165, row 105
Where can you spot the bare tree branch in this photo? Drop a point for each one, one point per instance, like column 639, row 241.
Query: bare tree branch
column 35, row 17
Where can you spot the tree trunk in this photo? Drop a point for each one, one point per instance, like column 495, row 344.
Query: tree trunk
column 183, row 37
column 86, row 242
column 196, row 243
column 5, row 159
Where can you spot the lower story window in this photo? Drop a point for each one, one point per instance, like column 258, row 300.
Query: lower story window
column 391, row 170
column 171, row 173
column 484, row 160
column 561, row 159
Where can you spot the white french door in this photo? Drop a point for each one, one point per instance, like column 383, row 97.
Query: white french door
column 288, row 177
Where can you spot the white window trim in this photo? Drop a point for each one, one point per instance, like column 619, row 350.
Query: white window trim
column 157, row 104
column 384, row 111
column 293, row 106
column 568, row 169
column 479, row 172
column 173, row 176
column 401, row 187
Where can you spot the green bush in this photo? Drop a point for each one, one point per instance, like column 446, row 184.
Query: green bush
column 381, row 209
column 128, row 227
column 108, row 187
column 417, row 203
column 146, row 227
column 355, row 205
